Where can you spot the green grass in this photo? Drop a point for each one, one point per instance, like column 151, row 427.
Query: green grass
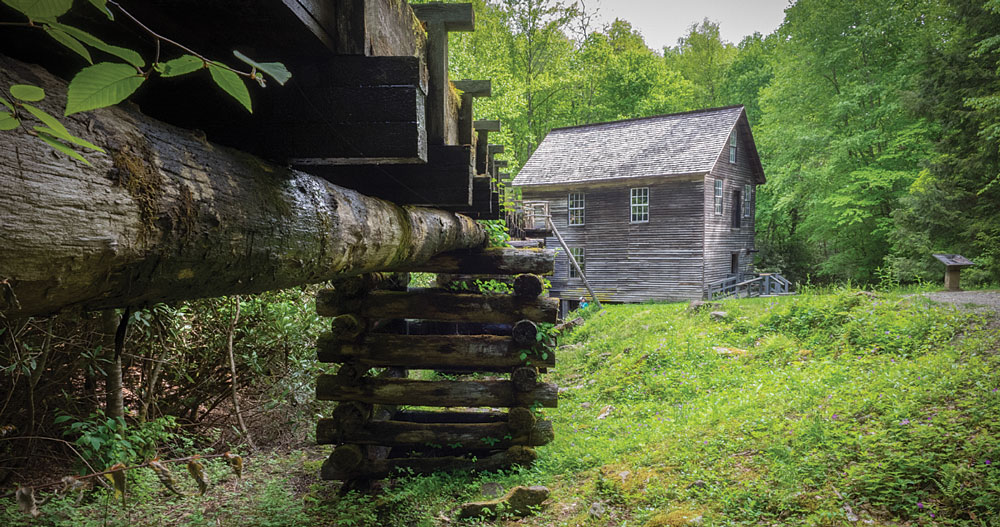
column 792, row 411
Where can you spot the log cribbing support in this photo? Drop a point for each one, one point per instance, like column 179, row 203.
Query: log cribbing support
column 421, row 441
column 440, row 19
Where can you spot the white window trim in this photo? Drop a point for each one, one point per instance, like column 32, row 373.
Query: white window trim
column 718, row 197
column 633, row 206
column 733, row 146
column 570, row 208
column 747, row 200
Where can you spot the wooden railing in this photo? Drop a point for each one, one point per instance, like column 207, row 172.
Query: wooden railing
column 527, row 218
column 750, row 285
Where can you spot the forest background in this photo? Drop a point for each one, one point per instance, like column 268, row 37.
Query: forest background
column 877, row 121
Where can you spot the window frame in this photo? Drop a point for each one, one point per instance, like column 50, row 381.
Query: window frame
column 733, row 146
column 570, row 208
column 638, row 209
column 718, row 197
column 747, row 199
column 580, row 255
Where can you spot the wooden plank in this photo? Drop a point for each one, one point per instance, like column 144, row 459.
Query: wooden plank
column 489, row 261
column 443, row 306
column 444, row 181
column 470, row 394
column 404, row 433
column 379, row 469
column 454, row 17
column 470, row 89
column 501, row 163
column 479, row 352
column 475, row 88
column 494, row 149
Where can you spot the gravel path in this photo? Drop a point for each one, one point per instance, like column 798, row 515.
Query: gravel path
column 973, row 300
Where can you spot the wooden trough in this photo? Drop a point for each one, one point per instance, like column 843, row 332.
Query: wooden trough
column 371, row 318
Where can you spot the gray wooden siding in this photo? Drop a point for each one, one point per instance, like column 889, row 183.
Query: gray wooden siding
column 721, row 240
column 625, row 262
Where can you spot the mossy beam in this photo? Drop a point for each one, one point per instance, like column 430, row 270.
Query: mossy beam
column 166, row 216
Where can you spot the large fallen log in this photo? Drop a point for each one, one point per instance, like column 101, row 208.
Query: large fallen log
column 493, row 394
column 166, row 215
column 478, row 352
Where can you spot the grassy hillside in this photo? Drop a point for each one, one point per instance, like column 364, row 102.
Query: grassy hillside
column 811, row 410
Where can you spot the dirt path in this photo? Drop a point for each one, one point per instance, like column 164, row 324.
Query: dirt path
column 971, row 300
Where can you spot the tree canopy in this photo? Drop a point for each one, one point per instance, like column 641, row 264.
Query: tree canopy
column 878, row 122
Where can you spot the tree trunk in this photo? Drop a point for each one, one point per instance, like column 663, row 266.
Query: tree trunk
column 114, row 403
column 166, row 216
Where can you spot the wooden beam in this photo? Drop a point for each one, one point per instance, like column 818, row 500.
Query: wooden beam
column 501, row 163
column 487, row 125
column 489, row 261
column 442, row 306
column 405, row 433
column 495, row 149
column 470, row 90
column 475, row 88
column 432, row 352
column 379, row 469
column 426, row 416
column 490, row 394
column 455, row 17
column 444, row 181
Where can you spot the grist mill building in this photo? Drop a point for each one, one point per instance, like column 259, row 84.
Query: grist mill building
column 656, row 208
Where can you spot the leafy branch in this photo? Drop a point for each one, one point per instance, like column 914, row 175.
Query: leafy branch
column 108, row 83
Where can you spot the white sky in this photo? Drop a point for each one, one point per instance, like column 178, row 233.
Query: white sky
column 662, row 22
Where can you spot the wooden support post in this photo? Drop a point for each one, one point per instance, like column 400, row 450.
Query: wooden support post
column 440, row 19
column 493, row 394
column 483, row 128
column 470, row 89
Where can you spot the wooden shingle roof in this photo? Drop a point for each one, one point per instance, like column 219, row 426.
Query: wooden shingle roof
column 664, row 145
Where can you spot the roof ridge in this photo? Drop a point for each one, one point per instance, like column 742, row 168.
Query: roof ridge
column 702, row 110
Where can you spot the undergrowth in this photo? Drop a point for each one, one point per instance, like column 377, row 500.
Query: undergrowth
column 821, row 409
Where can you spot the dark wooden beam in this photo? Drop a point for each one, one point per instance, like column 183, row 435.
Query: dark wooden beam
column 444, row 181
column 441, row 306
column 495, row 149
column 405, row 433
column 501, row 163
column 489, row 261
column 432, row 352
column 439, row 19
column 470, row 89
column 379, row 469
column 467, row 394
column 487, row 125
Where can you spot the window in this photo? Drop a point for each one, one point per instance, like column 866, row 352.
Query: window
column 718, row 197
column 639, row 205
column 737, row 214
column 732, row 146
column 576, row 205
column 577, row 253
column 747, row 200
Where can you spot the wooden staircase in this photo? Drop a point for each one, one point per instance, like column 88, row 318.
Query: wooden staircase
column 382, row 424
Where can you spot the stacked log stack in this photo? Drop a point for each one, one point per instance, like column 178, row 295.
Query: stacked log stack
column 494, row 336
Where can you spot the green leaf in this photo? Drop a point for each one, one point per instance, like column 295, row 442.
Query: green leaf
column 100, row 85
column 7, row 104
column 102, row 6
column 232, row 84
column 62, row 147
column 62, row 419
column 276, row 70
column 8, row 121
column 69, row 137
column 128, row 55
column 38, row 9
column 70, row 42
column 27, row 92
column 180, row 66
